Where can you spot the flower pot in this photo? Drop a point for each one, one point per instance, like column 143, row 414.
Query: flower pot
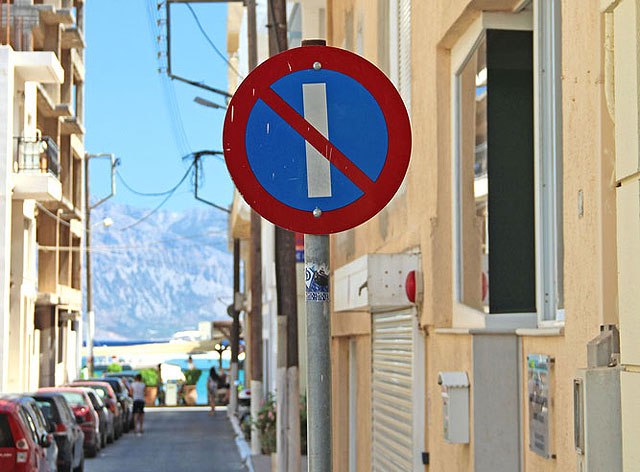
column 150, row 394
column 190, row 394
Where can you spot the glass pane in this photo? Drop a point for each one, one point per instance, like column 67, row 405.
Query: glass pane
column 473, row 182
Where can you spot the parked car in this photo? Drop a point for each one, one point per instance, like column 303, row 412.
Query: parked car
column 126, row 401
column 86, row 416
column 43, row 428
column 21, row 449
column 106, row 417
column 108, row 396
column 68, row 434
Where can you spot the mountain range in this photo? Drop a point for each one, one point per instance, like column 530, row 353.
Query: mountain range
column 155, row 274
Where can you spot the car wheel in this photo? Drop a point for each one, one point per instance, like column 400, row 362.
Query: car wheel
column 92, row 451
column 80, row 467
column 111, row 437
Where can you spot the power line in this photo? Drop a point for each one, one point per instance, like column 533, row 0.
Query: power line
column 206, row 36
column 165, row 200
column 144, row 194
column 52, row 215
column 169, row 93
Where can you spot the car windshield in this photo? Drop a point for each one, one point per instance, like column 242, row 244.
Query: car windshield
column 6, row 439
column 74, row 398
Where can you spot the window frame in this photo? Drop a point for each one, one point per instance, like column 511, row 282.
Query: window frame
column 547, row 90
column 465, row 316
column 545, row 22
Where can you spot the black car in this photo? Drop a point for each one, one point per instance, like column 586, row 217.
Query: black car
column 123, row 397
column 67, row 433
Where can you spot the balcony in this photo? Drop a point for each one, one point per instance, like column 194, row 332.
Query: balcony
column 37, row 170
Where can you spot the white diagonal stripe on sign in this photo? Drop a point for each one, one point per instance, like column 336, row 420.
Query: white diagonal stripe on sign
column 314, row 98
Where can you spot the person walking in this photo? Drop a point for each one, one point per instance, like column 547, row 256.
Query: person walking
column 138, row 388
column 212, row 388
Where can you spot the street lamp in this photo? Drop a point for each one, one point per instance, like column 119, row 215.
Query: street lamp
column 206, row 103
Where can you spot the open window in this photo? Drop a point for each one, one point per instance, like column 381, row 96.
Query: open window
column 506, row 172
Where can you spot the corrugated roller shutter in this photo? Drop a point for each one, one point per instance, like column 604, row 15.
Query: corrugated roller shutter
column 392, row 391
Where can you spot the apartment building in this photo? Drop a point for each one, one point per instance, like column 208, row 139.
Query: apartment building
column 41, row 151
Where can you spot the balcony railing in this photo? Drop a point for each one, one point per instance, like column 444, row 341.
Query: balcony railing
column 37, row 155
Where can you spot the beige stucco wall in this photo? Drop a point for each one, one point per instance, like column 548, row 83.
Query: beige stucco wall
column 421, row 217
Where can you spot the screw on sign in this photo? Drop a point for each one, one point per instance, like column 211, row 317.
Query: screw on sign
column 317, row 140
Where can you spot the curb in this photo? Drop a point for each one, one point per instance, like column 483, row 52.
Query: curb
column 243, row 447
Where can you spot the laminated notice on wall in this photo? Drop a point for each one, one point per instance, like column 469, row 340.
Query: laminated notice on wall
column 538, row 380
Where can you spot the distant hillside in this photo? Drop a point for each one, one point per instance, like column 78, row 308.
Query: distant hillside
column 163, row 275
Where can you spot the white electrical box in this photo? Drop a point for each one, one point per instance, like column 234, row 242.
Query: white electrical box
column 597, row 419
column 455, row 406
column 373, row 282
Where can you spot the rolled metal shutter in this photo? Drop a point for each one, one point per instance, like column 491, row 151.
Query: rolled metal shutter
column 392, row 390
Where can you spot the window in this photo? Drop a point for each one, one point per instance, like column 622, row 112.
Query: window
column 495, row 174
column 508, row 165
column 6, row 438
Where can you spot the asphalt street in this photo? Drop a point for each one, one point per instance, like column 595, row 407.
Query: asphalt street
column 174, row 440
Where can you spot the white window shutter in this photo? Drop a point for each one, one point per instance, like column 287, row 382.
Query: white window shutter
column 400, row 48
column 404, row 51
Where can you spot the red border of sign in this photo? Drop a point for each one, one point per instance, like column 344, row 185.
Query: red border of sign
column 393, row 110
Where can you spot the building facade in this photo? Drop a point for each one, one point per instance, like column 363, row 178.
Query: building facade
column 519, row 216
column 486, row 318
column 42, row 152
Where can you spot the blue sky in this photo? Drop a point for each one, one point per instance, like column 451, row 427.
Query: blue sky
column 126, row 111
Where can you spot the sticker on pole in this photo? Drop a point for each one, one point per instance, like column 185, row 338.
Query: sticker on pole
column 317, row 140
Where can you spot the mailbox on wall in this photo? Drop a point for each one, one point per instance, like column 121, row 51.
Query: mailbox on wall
column 455, row 406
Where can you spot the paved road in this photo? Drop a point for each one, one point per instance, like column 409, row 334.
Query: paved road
column 175, row 440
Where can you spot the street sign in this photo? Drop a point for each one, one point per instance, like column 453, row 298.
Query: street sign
column 317, row 139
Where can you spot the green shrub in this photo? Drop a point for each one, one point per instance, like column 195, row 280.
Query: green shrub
column 114, row 367
column 150, row 377
column 191, row 376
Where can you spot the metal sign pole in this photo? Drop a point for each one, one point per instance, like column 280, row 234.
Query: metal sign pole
column 316, row 262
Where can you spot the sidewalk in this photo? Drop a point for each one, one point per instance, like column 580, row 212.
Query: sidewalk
column 255, row 463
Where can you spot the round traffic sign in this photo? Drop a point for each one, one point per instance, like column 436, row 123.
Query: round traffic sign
column 317, row 139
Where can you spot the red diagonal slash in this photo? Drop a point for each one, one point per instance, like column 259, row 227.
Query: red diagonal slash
column 317, row 140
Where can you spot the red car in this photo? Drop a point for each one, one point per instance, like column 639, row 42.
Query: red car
column 21, row 450
column 85, row 414
column 108, row 396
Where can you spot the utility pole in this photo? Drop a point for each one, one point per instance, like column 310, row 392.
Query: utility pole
column 235, row 329
column 87, row 241
column 256, row 267
column 287, row 387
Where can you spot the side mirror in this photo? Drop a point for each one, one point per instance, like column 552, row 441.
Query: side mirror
column 45, row 440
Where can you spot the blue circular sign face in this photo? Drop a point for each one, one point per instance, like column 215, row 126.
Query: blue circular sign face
column 277, row 153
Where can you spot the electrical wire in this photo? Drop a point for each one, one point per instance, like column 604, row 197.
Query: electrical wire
column 52, row 215
column 211, row 43
column 165, row 200
column 169, row 93
column 143, row 194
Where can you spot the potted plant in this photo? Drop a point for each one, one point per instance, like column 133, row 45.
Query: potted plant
column 150, row 378
column 266, row 425
column 189, row 393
